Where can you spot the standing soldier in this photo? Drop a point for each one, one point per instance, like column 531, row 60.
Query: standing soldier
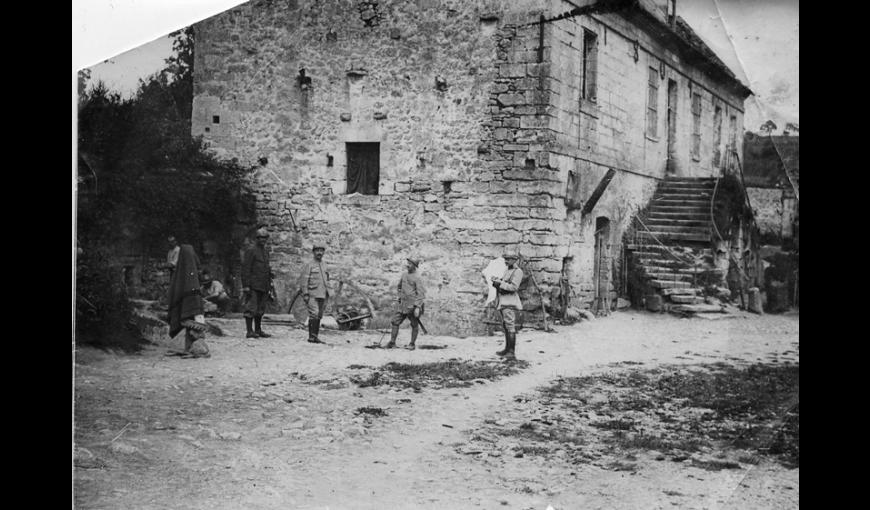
column 256, row 284
column 313, row 283
column 509, row 302
column 409, row 304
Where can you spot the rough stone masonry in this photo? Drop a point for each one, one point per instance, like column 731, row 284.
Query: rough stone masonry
column 483, row 129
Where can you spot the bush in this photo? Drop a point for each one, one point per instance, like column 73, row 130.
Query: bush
column 103, row 314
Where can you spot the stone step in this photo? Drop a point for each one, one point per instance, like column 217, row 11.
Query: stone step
column 664, row 268
column 702, row 210
column 699, row 308
column 685, row 299
column 669, row 284
column 693, row 202
column 685, row 186
column 666, row 237
column 687, row 229
column 658, row 251
column 671, row 180
column 677, row 215
column 666, row 276
column 678, row 222
column 704, row 197
column 688, row 291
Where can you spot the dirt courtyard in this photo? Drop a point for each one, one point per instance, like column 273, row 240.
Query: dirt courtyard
column 279, row 423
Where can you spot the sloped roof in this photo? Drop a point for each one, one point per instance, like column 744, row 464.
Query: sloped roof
column 693, row 47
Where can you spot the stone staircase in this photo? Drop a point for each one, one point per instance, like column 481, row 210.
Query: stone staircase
column 671, row 248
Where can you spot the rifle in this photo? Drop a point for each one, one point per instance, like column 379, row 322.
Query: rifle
column 293, row 301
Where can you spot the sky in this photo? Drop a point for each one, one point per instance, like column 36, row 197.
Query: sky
column 122, row 41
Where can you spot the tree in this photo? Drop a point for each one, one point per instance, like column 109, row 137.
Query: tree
column 789, row 127
column 768, row 127
column 154, row 179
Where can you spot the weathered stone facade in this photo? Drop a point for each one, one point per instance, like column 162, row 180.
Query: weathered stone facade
column 484, row 139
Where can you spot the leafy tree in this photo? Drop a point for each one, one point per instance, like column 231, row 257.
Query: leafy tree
column 155, row 179
column 768, row 127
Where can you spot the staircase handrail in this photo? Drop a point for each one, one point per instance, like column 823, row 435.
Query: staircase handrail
column 712, row 217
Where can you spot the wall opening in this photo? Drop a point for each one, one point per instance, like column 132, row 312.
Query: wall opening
column 590, row 65
column 363, row 167
column 672, row 126
column 652, row 103
column 447, row 186
column 696, row 126
column 602, row 263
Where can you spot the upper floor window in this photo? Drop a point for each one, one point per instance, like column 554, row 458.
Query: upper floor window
column 588, row 89
column 652, row 103
column 696, row 125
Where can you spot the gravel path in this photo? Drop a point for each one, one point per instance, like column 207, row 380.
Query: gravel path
column 273, row 423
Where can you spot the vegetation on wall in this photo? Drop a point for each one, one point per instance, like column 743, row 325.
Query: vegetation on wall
column 142, row 177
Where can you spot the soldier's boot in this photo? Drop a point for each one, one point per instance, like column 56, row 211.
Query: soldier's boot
column 314, row 330
column 250, row 333
column 413, row 345
column 394, row 333
column 511, row 341
column 259, row 331
column 506, row 345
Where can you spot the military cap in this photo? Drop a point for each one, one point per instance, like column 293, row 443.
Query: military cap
column 510, row 255
column 414, row 261
column 262, row 232
column 318, row 246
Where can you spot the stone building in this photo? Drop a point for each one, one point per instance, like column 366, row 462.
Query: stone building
column 771, row 168
column 456, row 129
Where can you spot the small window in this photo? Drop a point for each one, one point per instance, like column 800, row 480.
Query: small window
column 215, row 119
column 363, row 168
column 696, row 125
column 590, row 65
column 652, row 103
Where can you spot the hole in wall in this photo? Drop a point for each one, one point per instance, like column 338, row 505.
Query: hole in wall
column 530, row 163
column 215, row 119
column 447, row 186
column 329, row 160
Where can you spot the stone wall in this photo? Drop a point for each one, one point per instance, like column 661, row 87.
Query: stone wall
column 478, row 128
column 774, row 211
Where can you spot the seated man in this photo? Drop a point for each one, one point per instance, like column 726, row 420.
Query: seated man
column 216, row 300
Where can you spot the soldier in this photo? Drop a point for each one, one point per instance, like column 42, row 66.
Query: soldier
column 409, row 304
column 508, row 303
column 256, row 284
column 314, row 284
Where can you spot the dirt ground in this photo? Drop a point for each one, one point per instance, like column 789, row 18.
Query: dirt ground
column 280, row 423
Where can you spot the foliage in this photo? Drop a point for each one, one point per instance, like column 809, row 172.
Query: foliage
column 768, row 127
column 151, row 177
column 102, row 311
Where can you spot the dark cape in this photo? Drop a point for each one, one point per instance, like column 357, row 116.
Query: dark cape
column 185, row 294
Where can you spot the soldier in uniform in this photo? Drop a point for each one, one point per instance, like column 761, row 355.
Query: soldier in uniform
column 509, row 302
column 314, row 284
column 256, row 284
column 409, row 304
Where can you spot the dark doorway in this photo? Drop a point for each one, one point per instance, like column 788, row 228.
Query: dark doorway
column 363, row 167
column 672, row 126
column 602, row 266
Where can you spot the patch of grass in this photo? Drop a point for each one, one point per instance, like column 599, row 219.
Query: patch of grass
column 453, row 373
column 372, row 411
column 715, row 465
column 677, row 410
column 614, row 425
